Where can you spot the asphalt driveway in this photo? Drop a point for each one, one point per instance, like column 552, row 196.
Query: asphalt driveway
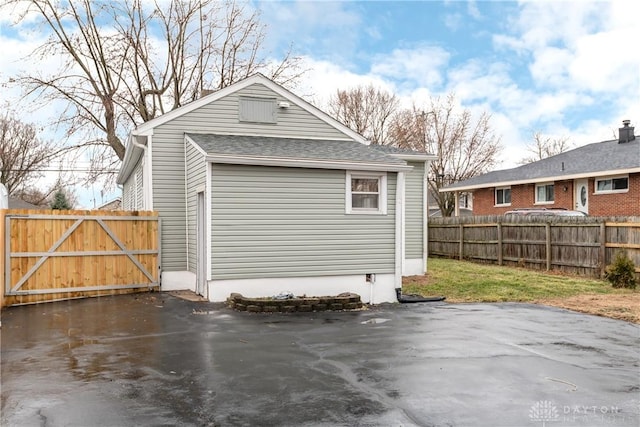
column 153, row 359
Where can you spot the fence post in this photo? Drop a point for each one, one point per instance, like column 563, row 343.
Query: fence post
column 548, row 244
column 499, row 242
column 461, row 247
column 603, row 248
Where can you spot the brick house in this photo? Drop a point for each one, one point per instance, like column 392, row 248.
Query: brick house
column 601, row 179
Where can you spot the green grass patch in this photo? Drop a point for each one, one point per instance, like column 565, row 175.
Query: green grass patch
column 463, row 281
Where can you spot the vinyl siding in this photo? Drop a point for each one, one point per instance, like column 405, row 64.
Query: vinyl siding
column 139, row 187
column 196, row 177
column 127, row 194
column 283, row 222
column 414, row 214
column 220, row 116
column 133, row 190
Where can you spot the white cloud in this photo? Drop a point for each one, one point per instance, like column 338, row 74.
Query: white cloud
column 329, row 29
column 421, row 66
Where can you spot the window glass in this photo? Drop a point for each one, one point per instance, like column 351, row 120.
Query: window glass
column 620, row 183
column 366, row 193
column 503, row 196
column 368, row 185
column 612, row 184
column 544, row 193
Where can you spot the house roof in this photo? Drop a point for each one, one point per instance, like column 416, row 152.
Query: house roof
column 404, row 154
column 592, row 160
column 135, row 146
column 294, row 152
column 21, row 204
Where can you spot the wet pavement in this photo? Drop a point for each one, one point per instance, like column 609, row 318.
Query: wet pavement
column 153, row 359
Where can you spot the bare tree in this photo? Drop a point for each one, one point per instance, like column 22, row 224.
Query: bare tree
column 365, row 109
column 23, row 156
column 543, row 147
column 129, row 61
column 25, row 159
column 465, row 146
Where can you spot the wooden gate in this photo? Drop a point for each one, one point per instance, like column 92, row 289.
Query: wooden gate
column 53, row 255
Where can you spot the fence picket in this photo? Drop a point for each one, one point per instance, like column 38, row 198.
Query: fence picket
column 51, row 255
column 583, row 246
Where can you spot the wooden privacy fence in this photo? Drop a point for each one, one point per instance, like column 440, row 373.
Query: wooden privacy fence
column 576, row 245
column 52, row 255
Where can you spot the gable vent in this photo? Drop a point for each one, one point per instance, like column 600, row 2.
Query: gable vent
column 626, row 132
column 258, row 110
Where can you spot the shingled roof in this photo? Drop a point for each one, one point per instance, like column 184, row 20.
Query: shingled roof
column 597, row 159
column 259, row 147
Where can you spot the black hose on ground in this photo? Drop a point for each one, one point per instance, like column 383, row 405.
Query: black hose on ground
column 411, row 298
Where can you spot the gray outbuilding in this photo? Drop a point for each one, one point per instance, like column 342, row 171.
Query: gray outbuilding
column 260, row 192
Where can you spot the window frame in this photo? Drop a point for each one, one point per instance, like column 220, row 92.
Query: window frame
column 495, row 196
column 382, row 193
column 545, row 202
column 612, row 191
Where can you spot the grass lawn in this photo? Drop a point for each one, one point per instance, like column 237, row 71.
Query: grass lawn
column 463, row 281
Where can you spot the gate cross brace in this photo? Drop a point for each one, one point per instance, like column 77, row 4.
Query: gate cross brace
column 64, row 237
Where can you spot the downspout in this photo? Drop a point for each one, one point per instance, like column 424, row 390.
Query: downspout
column 399, row 237
column 186, row 204
column 425, row 216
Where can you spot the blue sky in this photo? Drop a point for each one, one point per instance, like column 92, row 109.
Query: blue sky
column 562, row 68
column 565, row 69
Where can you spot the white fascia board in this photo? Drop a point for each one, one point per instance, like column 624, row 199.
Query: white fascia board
column 306, row 163
column 319, row 137
column 415, row 157
column 194, row 145
column 542, row 179
column 131, row 158
column 256, row 78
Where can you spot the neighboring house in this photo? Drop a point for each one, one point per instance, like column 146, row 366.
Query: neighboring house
column 259, row 192
column 112, row 205
column 15, row 203
column 465, row 206
column 600, row 179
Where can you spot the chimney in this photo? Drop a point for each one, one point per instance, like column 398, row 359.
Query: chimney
column 626, row 132
column 205, row 92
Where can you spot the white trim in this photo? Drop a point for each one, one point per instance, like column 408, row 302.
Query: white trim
column 207, row 211
column 425, row 216
column 256, row 78
column 541, row 179
column 194, row 145
column 544, row 202
column 399, row 240
column 382, row 193
column 320, row 137
column 413, row 157
column 305, row 163
column 495, row 196
column 178, row 280
column 610, row 178
column 149, row 175
column 132, row 154
column 186, row 205
column 381, row 291
column 403, row 217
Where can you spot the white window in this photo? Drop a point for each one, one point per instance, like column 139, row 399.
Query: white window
column 619, row 184
column 544, row 193
column 366, row 193
column 503, row 196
